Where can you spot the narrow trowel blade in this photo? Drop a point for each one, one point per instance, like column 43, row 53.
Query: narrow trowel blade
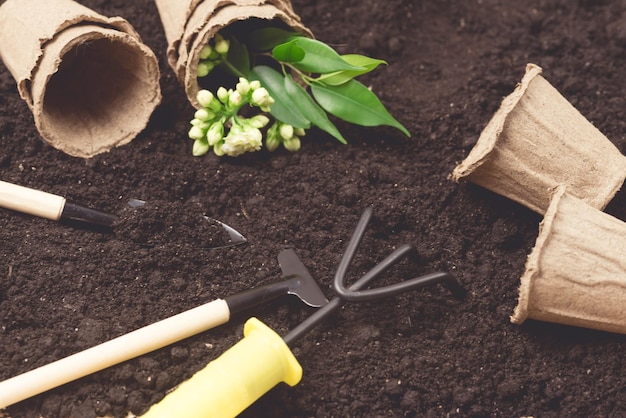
column 235, row 238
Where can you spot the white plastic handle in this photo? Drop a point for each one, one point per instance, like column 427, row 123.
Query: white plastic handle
column 115, row 351
column 31, row 201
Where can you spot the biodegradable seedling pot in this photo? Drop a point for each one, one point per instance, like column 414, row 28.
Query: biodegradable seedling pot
column 536, row 141
column 576, row 273
column 190, row 24
column 89, row 81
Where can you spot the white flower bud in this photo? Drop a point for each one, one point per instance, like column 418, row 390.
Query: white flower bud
column 205, row 98
column 299, row 131
column 203, row 115
column 205, row 52
column 261, row 97
column 243, row 87
column 217, row 149
column 196, row 133
column 204, row 68
column 221, row 45
column 272, row 141
column 258, row 121
column 292, row 144
column 201, row 124
column 235, row 99
column 255, row 84
column 200, row 147
column 215, row 133
column 286, row 131
column 223, row 94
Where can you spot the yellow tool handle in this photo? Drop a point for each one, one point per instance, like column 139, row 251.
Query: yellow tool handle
column 235, row 380
column 31, row 201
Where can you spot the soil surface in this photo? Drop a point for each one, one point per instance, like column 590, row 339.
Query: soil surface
column 421, row 354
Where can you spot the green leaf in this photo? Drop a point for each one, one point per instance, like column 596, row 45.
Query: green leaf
column 311, row 110
column 238, row 56
column 265, row 39
column 363, row 61
column 288, row 52
column 283, row 109
column 355, row 103
column 340, row 77
column 318, row 57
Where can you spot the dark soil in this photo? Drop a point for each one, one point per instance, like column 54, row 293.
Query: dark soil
column 64, row 289
column 172, row 224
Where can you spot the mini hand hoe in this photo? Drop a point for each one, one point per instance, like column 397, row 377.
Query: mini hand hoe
column 262, row 359
column 296, row 281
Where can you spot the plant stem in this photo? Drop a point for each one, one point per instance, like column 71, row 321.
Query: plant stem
column 232, row 68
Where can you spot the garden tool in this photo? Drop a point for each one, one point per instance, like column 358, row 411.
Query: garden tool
column 57, row 208
column 262, row 359
column 298, row 281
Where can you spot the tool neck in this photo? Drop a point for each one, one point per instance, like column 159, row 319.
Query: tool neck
column 77, row 213
column 257, row 296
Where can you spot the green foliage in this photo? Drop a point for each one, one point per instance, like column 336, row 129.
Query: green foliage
column 307, row 80
column 339, row 77
column 311, row 110
column 239, row 57
column 284, row 108
column 265, row 39
column 311, row 56
column 354, row 103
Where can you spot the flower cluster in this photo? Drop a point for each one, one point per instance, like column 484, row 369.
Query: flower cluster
column 217, row 124
column 212, row 55
column 220, row 112
column 287, row 135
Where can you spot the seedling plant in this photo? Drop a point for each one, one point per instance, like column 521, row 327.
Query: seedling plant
column 295, row 82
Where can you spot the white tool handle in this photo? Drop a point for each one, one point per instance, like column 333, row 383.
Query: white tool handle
column 117, row 350
column 33, row 202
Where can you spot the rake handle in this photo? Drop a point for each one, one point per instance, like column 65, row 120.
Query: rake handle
column 49, row 206
column 30, row 201
column 117, row 350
